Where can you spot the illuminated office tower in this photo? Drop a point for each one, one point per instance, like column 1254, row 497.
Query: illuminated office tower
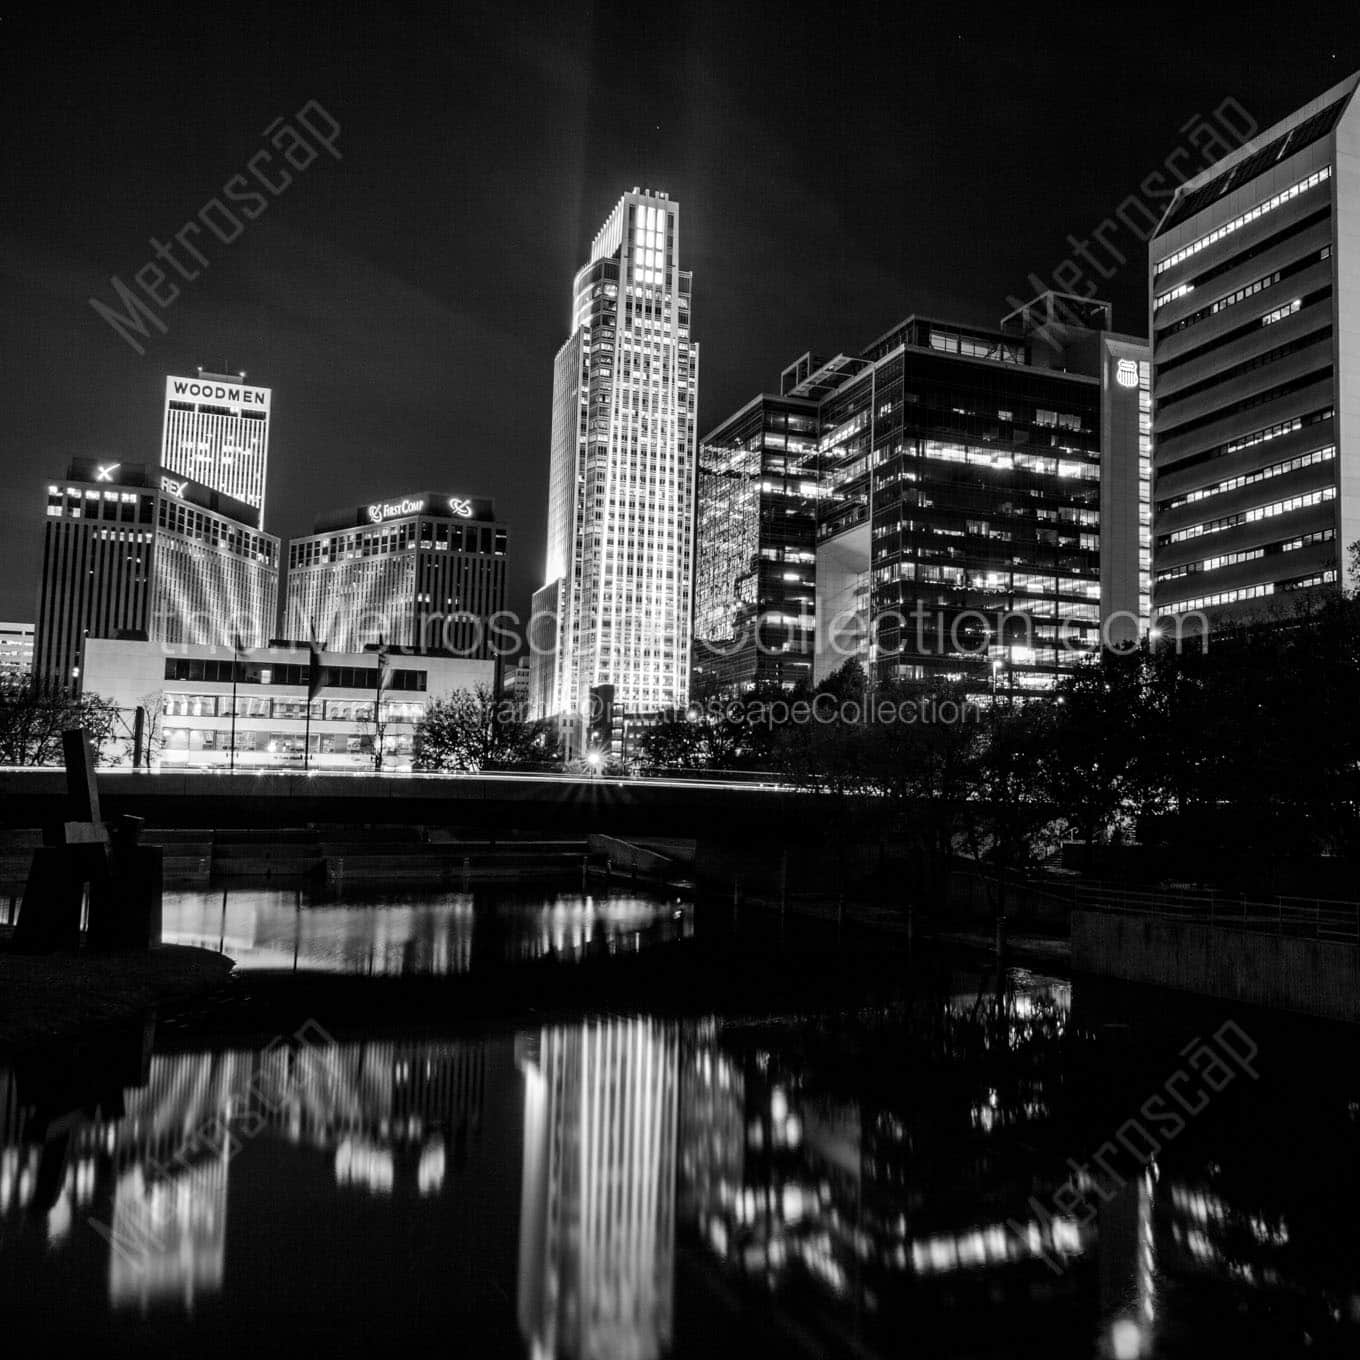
column 133, row 552
column 617, row 592
column 423, row 571
column 952, row 503
column 1255, row 304
column 216, row 431
column 984, row 497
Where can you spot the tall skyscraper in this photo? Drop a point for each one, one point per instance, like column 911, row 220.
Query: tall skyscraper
column 1255, row 303
column 216, row 431
column 616, row 600
column 423, row 571
column 980, row 506
column 131, row 551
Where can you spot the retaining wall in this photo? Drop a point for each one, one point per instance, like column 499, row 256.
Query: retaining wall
column 1293, row 973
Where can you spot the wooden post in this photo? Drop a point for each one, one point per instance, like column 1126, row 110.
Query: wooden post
column 82, row 792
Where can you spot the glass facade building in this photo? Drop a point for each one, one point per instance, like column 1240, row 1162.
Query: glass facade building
column 981, row 500
column 616, row 604
column 1254, row 294
column 757, row 537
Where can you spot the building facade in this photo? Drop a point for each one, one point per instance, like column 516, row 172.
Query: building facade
column 16, row 653
column 423, row 571
column 982, row 497
column 1254, row 296
column 215, row 431
column 759, row 478
column 267, row 707
column 616, row 602
column 131, row 550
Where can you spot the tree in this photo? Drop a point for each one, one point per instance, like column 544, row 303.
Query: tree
column 472, row 730
column 34, row 715
column 1089, row 767
column 1009, row 813
column 152, row 708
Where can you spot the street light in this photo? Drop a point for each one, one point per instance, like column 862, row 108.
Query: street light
column 594, row 759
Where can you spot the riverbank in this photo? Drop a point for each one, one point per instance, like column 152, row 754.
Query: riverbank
column 45, row 997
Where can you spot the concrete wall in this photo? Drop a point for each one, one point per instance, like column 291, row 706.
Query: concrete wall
column 1313, row 977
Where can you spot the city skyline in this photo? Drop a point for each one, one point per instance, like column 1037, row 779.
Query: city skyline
column 797, row 248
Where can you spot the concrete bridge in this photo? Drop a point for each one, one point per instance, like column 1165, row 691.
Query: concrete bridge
column 479, row 804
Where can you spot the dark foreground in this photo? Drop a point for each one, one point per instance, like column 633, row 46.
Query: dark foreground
column 742, row 1141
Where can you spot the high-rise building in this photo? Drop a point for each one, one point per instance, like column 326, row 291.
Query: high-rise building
column 759, row 477
column 1255, row 306
column 423, row 571
column 618, row 580
column 981, row 503
column 16, row 653
column 216, row 432
column 132, row 551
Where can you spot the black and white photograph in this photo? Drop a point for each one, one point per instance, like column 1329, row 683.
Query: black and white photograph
column 680, row 681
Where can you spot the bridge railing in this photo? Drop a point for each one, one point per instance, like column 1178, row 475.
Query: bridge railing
column 1308, row 917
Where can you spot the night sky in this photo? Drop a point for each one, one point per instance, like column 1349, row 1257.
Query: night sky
column 837, row 168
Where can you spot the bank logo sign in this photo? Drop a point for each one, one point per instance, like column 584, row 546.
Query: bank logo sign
column 1126, row 373
column 381, row 511
column 385, row 510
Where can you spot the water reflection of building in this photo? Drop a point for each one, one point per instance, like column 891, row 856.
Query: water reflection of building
column 433, row 932
column 151, row 1168
column 597, row 1218
column 856, row 1206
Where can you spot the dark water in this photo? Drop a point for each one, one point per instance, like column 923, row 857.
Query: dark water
column 416, row 932
column 891, row 1183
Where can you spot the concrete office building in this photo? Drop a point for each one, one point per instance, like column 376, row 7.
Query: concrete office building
column 131, row 550
column 16, row 653
column 423, row 571
column 1255, row 305
column 615, row 607
column 982, row 497
column 215, row 431
column 202, row 699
